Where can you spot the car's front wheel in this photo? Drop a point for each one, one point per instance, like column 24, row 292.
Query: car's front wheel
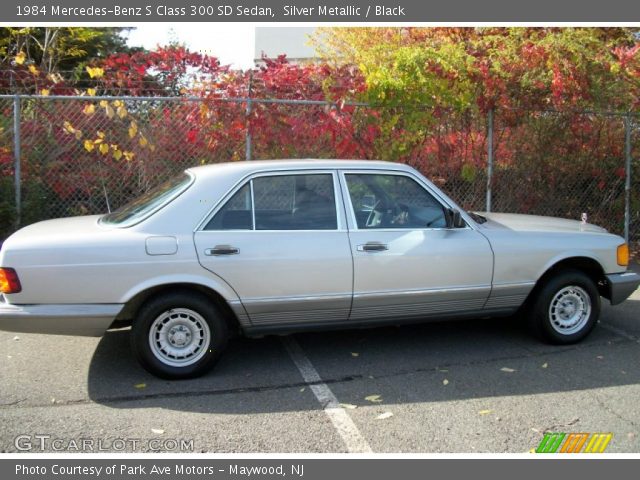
column 565, row 309
column 179, row 335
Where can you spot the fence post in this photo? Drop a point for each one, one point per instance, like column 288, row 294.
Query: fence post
column 627, row 182
column 489, row 157
column 247, row 153
column 16, row 159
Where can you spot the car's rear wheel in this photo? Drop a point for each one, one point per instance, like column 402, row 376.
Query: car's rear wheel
column 565, row 309
column 179, row 335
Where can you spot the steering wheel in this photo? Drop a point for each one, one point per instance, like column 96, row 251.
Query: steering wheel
column 377, row 215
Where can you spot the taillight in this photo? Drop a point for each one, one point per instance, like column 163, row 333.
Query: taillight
column 9, row 281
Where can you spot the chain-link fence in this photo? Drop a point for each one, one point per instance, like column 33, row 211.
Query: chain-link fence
column 71, row 155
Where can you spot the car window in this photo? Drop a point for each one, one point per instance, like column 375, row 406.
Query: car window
column 235, row 214
column 295, row 202
column 281, row 202
column 148, row 203
column 393, row 201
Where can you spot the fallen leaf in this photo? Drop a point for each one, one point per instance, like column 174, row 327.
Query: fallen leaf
column 545, row 365
column 445, row 382
column 355, row 354
column 348, row 406
column 16, row 338
column 302, row 389
column 140, row 385
column 53, row 400
column 373, row 398
column 600, row 357
column 507, row 370
column 9, row 356
column 384, row 415
column 485, row 412
column 443, row 370
column 157, row 431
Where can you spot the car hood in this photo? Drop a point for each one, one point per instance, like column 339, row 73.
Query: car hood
column 536, row 223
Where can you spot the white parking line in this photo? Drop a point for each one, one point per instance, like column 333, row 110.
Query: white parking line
column 341, row 420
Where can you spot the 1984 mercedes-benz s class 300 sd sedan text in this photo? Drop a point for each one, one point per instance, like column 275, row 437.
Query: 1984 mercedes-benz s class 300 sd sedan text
column 283, row 246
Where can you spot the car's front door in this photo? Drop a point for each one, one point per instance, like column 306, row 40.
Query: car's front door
column 281, row 242
column 407, row 261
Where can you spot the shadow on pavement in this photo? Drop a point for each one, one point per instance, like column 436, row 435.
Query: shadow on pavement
column 473, row 353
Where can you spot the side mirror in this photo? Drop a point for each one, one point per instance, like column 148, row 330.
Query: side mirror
column 454, row 219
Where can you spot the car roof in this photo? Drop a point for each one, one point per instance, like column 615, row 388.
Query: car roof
column 248, row 167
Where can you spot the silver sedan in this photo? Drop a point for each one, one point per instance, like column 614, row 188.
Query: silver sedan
column 267, row 247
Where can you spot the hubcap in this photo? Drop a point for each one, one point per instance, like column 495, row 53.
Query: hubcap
column 179, row 337
column 570, row 310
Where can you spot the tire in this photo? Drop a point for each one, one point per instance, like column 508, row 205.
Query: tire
column 178, row 335
column 565, row 309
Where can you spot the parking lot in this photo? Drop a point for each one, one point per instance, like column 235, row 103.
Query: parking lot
column 465, row 386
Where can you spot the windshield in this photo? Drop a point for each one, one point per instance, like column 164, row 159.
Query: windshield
column 148, row 203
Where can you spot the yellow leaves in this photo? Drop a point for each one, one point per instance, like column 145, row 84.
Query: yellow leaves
column 384, row 416
column 20, row 58
column 373, row 399
column 33, row 69
column 121, row 112
column 68, row 128
column 89, row 109
column 485, row 412
column 445, row 382
column 44, row 92
column 143, row 141
column 95, row 72
column 91, row 92
column 133, row 129
column 117, row 153
column 88, row 145
column 128, row 156
column 104, row 148
column 507, row 370
column 140, row 385
column 355, row 354
column 108, row 110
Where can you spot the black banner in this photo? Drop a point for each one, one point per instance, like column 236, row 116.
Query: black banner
column 317, row 11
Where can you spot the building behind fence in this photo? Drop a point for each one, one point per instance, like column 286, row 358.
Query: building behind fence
column 68, row 155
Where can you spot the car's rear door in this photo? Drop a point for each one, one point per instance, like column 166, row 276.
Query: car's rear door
column 280, row 241
column 407, row 262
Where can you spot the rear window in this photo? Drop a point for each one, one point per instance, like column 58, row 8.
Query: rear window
column 148, row 203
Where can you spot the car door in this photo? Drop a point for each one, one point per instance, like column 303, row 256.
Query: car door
column 407, row 262
column 281, row 242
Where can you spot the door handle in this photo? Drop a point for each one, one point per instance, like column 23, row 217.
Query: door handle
column 373, row 247
column 222, row 250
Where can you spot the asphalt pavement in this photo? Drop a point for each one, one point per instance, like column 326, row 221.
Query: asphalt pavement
column 458, row 386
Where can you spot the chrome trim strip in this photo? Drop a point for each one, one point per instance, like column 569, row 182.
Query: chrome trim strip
column 430, row 291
